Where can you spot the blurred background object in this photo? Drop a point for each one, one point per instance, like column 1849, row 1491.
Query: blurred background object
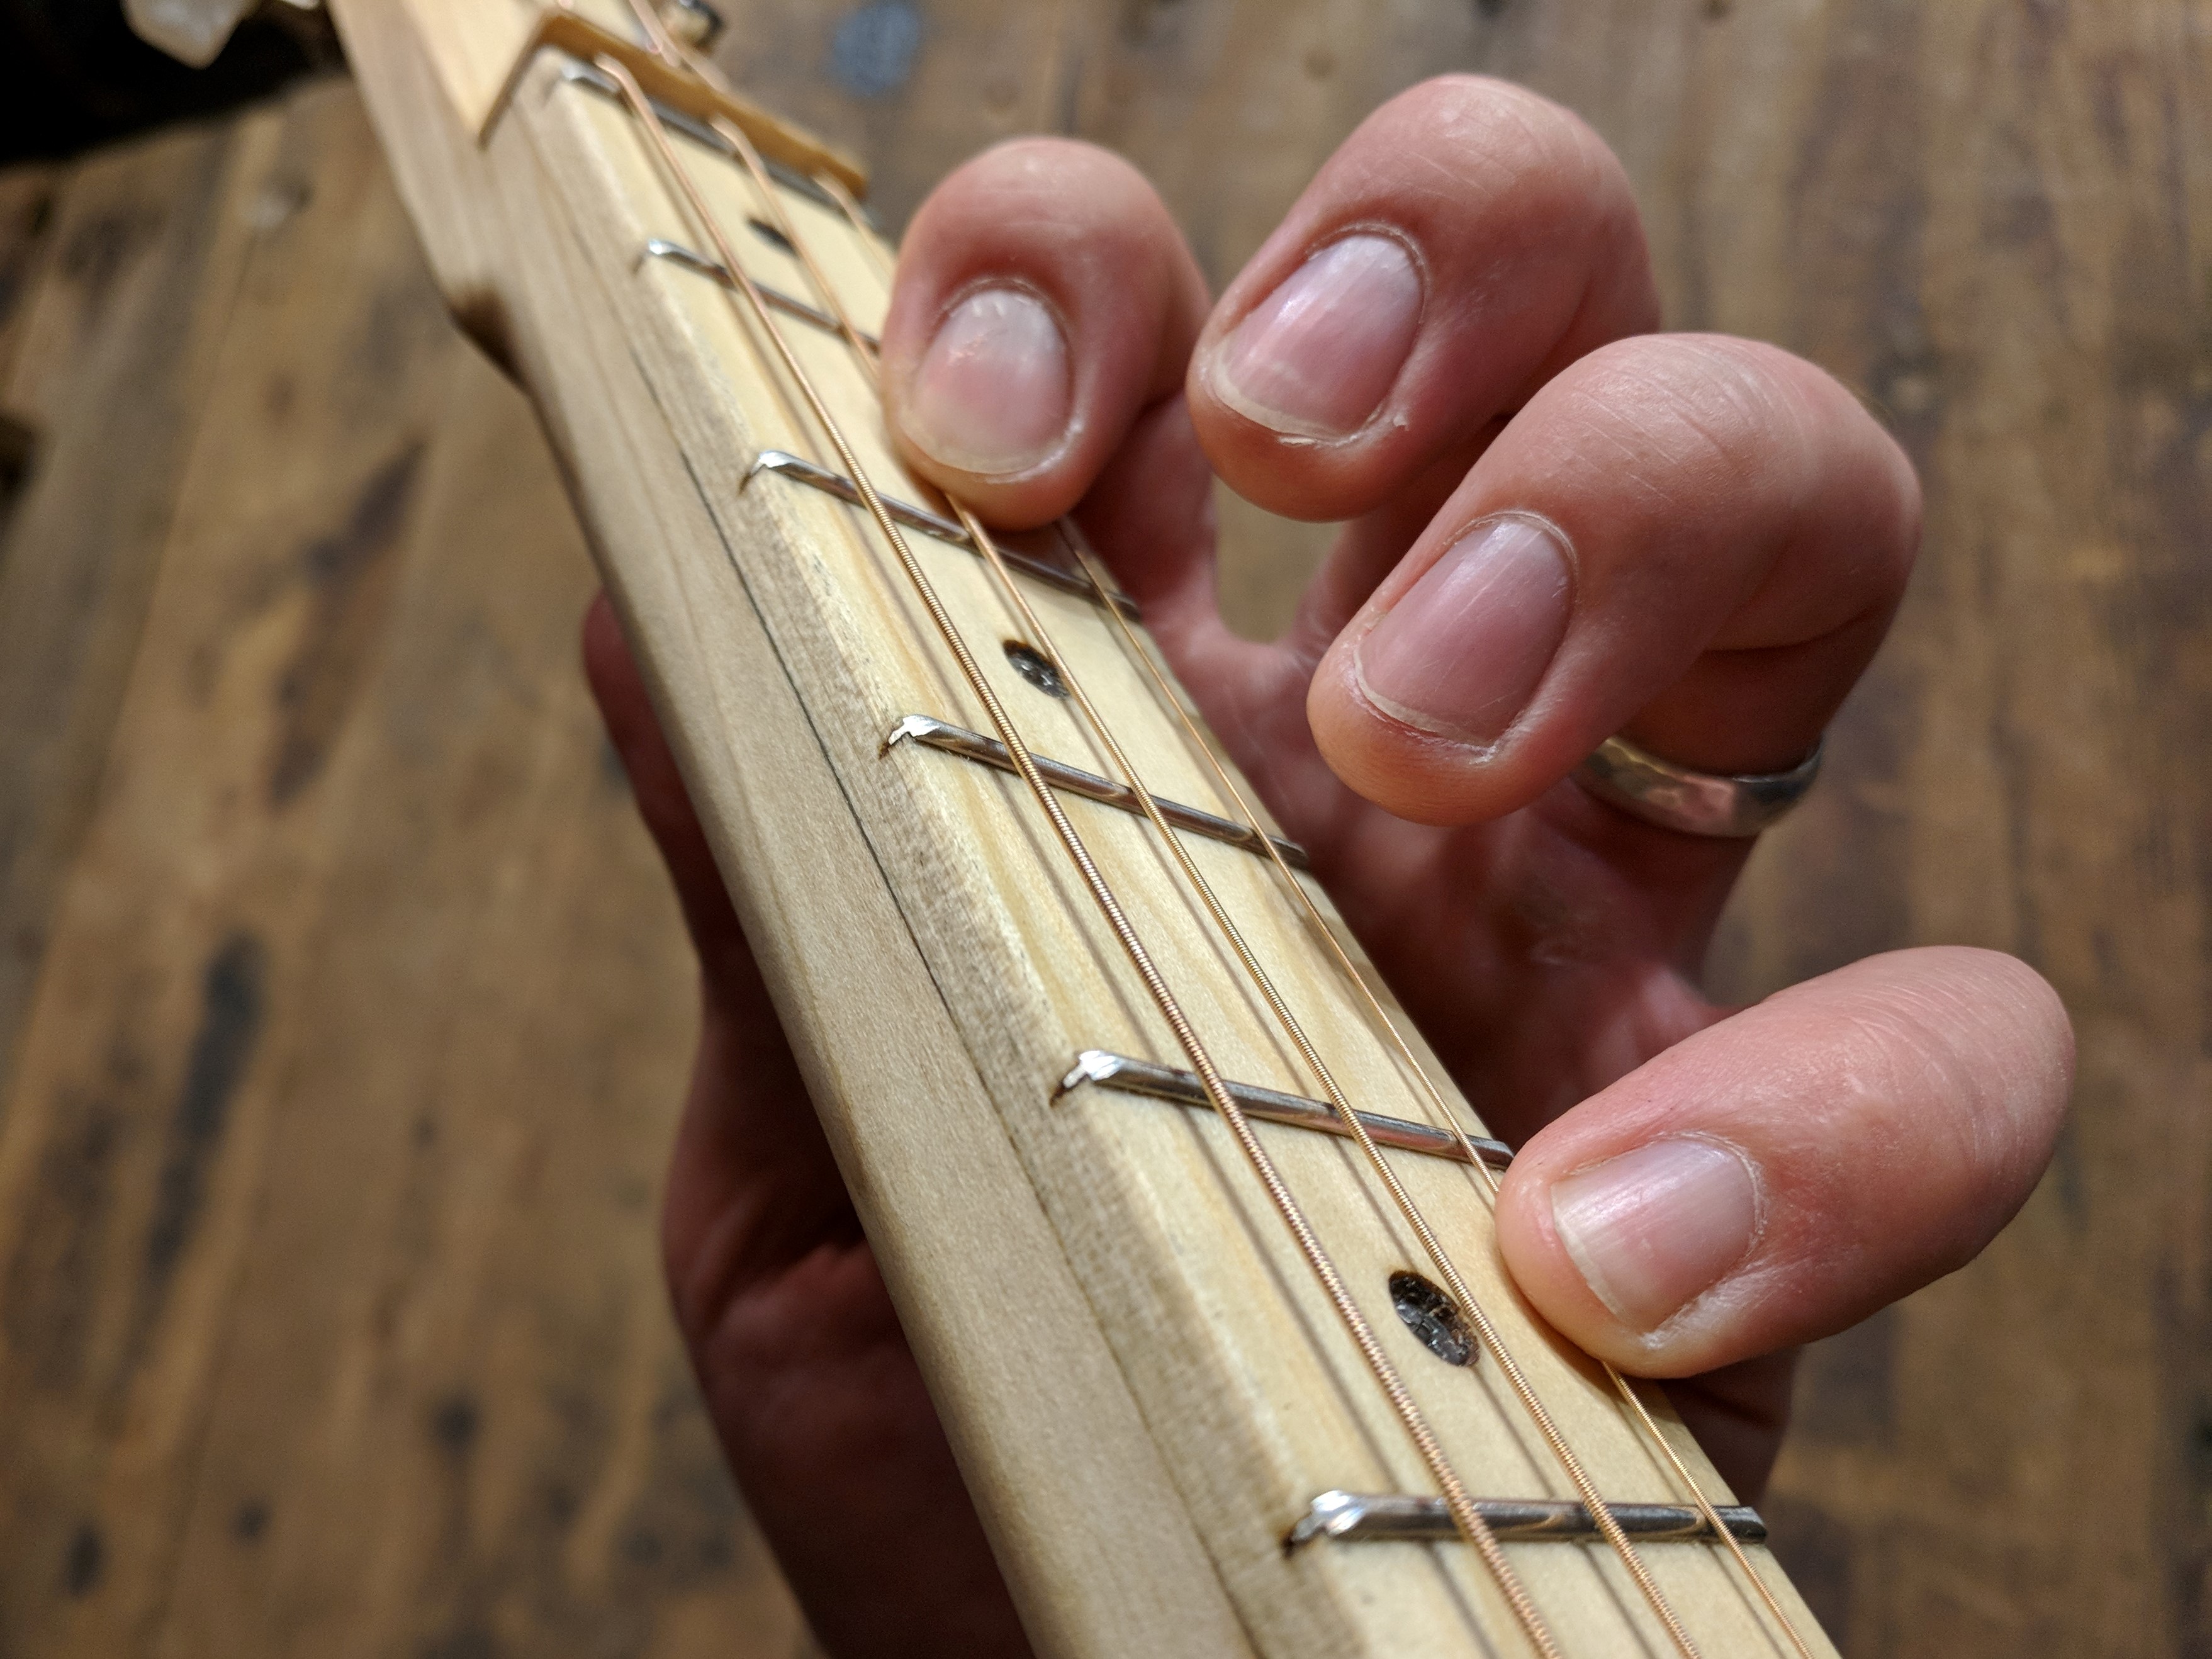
column 72, row 72
column 343, row 1015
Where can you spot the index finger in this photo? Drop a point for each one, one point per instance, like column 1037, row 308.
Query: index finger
column 1044, row 297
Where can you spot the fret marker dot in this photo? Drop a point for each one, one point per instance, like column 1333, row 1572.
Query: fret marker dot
column 1432, row 1316
column 1036, row 668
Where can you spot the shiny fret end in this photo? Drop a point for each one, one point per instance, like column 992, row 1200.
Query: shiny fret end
column 1398, row 1517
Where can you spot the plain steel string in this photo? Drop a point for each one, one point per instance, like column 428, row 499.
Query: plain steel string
column 1601, row 1513
column 765, row 189
column 1455, row 1497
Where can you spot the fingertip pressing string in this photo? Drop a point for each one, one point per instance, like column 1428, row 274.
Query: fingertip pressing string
column 1455, row 1493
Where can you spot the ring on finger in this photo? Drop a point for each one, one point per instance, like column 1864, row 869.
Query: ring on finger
column 1694, row 803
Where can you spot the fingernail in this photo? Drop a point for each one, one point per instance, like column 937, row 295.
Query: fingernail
column 1653, row 1228
column 1461, row 652
column 993, row 393
column 1319, row 354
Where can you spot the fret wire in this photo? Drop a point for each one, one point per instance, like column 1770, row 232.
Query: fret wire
column 1485, row 1328
column 1461, row 1506
column 1487, row 1175
column 1546, row 1427
column 1608, row 1525
column 1469, row 1521
column 1103, row 896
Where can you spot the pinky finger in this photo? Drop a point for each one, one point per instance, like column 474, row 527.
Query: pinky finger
column 1787, row 1172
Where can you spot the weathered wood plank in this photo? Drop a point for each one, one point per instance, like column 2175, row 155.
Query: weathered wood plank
column 26, row 213
column 107, row 360
column 330, row 1315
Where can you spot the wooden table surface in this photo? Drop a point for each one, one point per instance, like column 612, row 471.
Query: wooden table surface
column 342, row 1013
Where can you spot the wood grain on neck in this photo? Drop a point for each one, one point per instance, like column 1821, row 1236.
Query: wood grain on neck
column 1143, row 1383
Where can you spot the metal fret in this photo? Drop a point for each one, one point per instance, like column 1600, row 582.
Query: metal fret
column 659, row 247
column 576, row 72
column 1397, row 1517
column 799, row 469
column 1145, row 1077
column 933, row 733
column 1462, row 1516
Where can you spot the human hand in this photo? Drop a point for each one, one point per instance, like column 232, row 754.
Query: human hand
column 1561, row 526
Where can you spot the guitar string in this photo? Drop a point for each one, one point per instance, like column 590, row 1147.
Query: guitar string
column 864, row 355
column 1479, row 1168
column 657, row 40
column 1460, row 1505
column 1601, row 1515
column 680, row 55
column 865, row 235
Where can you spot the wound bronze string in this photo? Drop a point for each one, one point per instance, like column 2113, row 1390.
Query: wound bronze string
column 864, row 352
column 1447, row 1119
column 1480, row 1170
column 756, row 308
column 1577, row 1473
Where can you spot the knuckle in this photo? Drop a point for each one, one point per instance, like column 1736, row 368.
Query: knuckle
column 1680, row 410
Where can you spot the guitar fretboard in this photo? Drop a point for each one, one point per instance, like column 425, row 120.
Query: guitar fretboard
column 1251, row 1180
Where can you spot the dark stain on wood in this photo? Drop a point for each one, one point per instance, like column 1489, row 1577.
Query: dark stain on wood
column 234, row 1007
column 85, row 538
column 454, row 1423
column 2184, row 1496
column 101, row 248
column 468, row 1640
column 233, row 995
column 22, row 235
column 85, row 1562
column 349, row 574
column 49, row 1296
column 1859, row 214
column 686, row 1526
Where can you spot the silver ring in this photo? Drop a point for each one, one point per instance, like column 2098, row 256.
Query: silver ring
column 1696, row 803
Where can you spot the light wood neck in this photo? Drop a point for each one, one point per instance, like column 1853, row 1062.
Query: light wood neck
column 1148, row 1382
